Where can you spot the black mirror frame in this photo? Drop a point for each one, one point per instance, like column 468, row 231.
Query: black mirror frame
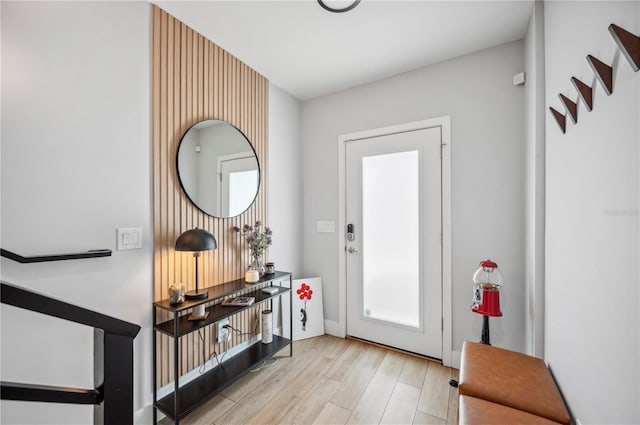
column 184, row 190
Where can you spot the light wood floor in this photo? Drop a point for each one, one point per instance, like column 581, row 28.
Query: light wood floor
column 335, row 381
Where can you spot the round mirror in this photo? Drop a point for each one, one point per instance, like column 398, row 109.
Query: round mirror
column 218, row 168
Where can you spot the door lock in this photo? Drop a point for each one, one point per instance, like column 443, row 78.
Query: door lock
column 351, row 236
column 352, row 250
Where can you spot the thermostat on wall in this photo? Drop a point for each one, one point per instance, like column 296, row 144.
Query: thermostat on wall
column 518, row 79
column 325, row 226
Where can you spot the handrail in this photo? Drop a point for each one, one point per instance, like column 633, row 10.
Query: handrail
column 94, row 253
column 29, row 300
column 50, row 394
column 113, row 359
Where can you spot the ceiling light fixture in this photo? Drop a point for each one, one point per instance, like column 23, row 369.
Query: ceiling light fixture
column 338, row 6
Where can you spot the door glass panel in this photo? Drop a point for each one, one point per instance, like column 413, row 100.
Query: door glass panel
column 390, row 238
column 240, row 194
column 239, row 182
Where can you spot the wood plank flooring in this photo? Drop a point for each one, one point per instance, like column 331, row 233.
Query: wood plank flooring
column 336, row 381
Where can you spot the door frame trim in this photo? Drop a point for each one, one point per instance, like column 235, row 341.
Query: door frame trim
column 445, row 124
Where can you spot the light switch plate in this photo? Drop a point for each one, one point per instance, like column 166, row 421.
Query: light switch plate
column 128, row 238
column 325, row 226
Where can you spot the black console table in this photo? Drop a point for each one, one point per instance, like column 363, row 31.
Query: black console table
column 184, row 399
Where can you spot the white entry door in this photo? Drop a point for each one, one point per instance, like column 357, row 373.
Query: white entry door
column 394, row 240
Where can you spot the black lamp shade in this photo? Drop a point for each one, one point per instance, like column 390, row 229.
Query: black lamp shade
column 196, row 240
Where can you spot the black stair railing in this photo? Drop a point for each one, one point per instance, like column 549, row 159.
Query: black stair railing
column 94, row 253
column 113, row 359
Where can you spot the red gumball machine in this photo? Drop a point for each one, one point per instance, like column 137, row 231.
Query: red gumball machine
column 486, row 295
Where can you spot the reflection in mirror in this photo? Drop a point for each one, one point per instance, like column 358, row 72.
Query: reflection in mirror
column 218, row 168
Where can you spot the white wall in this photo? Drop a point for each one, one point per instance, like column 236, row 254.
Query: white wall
column 76, row 164
column 535, row 130
column 285, row 181
column 488, row 142
column 592, row 233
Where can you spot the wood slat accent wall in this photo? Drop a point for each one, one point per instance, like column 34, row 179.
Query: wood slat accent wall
column 194, row 79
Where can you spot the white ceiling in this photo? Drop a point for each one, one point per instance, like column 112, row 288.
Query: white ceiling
column 310, row 52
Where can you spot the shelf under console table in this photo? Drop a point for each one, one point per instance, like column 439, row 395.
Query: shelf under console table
column 186, row 398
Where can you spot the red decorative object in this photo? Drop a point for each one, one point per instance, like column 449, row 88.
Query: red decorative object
column 305, row 291
column 486, row 295
column 490, row 304
column 488, row 264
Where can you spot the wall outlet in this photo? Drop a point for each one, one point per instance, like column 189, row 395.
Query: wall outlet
column 222, row 333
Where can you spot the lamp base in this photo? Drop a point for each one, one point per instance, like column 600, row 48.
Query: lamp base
column 196, row 295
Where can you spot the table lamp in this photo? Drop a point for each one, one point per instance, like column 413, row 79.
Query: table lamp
column 196, row 240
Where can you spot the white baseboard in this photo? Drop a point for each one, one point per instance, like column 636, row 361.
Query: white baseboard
column 333, row 328
column 145, row 415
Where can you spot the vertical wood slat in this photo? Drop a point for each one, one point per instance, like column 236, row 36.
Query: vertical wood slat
column 156, row 166
column 194, row 79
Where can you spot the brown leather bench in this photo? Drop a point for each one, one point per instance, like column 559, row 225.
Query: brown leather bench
column 503, row 386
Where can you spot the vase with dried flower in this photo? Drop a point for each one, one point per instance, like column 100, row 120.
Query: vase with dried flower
column 258, row 238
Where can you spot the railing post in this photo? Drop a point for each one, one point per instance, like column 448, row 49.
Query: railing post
column 113, row 369
column 98, row 374
column 112, row 359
